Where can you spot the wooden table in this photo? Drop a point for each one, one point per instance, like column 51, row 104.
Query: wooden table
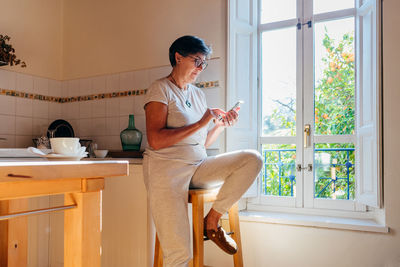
column 80, row 181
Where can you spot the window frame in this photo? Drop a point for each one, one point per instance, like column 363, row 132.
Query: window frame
column 323, row 206
column 310, row 200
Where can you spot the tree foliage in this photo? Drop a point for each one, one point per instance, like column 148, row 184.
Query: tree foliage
column 334, row 93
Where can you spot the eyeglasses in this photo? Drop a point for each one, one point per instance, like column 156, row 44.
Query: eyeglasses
column 199, row 62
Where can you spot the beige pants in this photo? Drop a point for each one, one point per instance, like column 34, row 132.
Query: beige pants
column 168, row 182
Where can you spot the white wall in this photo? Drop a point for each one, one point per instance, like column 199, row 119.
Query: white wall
column 35, row 28
column 98, row 47
column 124, row 45
column 22, row 119
column 104, row 37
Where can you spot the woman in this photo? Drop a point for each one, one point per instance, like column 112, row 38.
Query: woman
column 180, row 127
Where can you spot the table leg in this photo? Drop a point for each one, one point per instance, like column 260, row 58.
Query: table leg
column 13, row 233
column 82, row 233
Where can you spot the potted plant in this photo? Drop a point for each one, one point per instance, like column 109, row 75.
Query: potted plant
column 7, row 53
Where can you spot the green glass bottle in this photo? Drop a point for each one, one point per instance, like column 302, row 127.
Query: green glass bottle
column 131, row 138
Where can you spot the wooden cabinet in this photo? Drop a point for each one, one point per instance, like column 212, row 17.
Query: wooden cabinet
column 81, row 183
column 125, row 221
column 126, row 231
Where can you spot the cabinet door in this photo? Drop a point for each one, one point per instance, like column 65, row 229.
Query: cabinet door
column 125, row 233
column 38, row 233
column 125, row 227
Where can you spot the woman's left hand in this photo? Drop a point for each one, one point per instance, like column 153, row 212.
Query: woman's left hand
column 232, row 117
column 228, row 119
column 222, row 119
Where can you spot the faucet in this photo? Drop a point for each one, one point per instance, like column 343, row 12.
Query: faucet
column 52, row 132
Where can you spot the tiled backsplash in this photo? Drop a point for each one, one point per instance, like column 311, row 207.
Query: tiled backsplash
column 101, row 120
column 22, row 118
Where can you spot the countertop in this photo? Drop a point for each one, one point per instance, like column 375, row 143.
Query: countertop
column 24, row 169
column 137, row 161
column 24, row 155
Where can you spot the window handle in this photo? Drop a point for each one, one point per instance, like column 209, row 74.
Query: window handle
column 307, row 129
column 299, row 24
column 299, row 168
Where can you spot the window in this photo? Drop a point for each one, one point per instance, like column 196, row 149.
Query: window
column 309, row 69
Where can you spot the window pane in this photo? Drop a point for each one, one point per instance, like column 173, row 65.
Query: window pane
column 334, row 171
column 279, row 173
column 322, row 6
column 334, row 77
column 279, row 82
column 272, row 10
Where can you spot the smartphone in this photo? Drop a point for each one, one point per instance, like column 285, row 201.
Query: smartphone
column 236, row 107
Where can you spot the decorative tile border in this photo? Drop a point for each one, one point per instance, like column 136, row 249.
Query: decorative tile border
column 103, row 95
column 204, row 85
column 15, row 93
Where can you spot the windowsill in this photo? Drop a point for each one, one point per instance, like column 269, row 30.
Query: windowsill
column 366, row 225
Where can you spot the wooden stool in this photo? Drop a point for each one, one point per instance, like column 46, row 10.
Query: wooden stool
column 198, row 197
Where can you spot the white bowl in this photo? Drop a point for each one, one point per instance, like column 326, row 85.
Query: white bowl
column 100, row 153
column 65, row 145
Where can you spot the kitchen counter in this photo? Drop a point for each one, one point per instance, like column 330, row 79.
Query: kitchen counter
column 136, row 161
column 81, row 183
column 42, row 169
column 23, row 155
column 38, row 159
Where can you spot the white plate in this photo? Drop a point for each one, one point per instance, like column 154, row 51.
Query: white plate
column 20, row 153
column 61, row 157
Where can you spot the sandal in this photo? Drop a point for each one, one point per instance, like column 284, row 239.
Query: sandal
column 222, row 240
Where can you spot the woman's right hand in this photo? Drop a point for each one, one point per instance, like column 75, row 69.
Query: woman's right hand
column 211, row 113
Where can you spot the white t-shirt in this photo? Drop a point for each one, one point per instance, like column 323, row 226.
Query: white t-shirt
column 191, row 149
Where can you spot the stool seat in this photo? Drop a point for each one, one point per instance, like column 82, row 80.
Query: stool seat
column 198, row 197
